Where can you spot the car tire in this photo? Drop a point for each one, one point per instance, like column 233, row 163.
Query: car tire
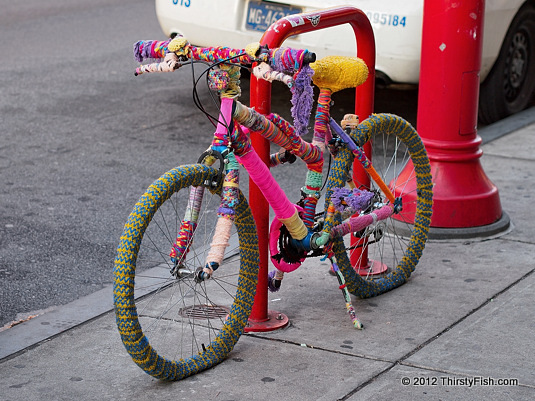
column 509, row 87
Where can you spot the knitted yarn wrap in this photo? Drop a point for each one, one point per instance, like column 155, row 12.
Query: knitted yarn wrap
column 302, row 99
column 150, row 49
column 290, row 61
column 356, row 199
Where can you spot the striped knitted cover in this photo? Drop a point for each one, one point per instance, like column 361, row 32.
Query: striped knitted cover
column 393, row 125
column 135, row 342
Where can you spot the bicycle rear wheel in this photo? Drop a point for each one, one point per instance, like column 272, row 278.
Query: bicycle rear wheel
column 172, row 325
column 395, row 244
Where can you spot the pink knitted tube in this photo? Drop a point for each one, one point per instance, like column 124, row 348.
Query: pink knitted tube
column 271, row 190
column 358, row 223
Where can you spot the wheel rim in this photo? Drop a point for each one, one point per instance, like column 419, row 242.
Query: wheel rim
column 179, row 315
column 387, row 241
column 516, row 65
column 155, row 347
column 403, row 250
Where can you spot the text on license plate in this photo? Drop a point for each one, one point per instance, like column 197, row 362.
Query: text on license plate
column 261, row 14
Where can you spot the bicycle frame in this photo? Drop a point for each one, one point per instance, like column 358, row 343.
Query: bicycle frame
column 211, row 311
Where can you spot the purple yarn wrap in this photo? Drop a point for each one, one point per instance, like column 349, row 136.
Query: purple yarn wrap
column 302, row 99
column 226, row 210
column 356, row 199
column 271, row 286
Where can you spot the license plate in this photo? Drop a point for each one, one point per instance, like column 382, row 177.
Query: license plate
column 262, row 14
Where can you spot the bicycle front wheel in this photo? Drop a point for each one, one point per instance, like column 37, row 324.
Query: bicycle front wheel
column 392, row 246
column 172, row 324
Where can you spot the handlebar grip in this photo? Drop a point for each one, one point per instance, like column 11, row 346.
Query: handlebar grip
column 310, row 57
column 339, row 72
column 170, row 63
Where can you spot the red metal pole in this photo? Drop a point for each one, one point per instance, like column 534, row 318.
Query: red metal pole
column 452, row 42
column 261, row 318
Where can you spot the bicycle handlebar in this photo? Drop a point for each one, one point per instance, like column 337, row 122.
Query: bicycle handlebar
column 281, row 62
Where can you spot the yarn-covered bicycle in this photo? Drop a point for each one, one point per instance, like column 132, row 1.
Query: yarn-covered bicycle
column 187, row 264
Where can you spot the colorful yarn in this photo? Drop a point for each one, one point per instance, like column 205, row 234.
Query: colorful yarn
column 218, row 80
column 309, row 210
column 250, row 118
column 295, row 226
column 220, row 139
column 273, row 277
column 313, row 183
column 278, row 158
column 240, row 141
column 286, row 135
column 322, row 133
column 252, row 49
column 183, row 241
column 349, row 306
column 180, row 46
column 291, row 61
column 229, row 193
column 363, row 159
column 279, row 131
column 281, row 263
column 218, row 54
column 287, row 60
column 328, row 222
column 233, row 89
column 150, row 49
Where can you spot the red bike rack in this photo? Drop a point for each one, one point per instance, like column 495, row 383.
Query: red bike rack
column 447, row 118
column 262, row 319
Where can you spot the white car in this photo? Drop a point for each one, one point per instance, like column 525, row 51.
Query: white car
column 507, row 65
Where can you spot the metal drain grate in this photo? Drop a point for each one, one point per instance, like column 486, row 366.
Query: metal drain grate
column 204, row 312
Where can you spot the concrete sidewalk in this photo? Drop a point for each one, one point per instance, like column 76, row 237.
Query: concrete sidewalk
column 464, row 320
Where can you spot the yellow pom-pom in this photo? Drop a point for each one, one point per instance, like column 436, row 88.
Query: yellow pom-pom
column 179, row 46
column 339, row 72
column 252, row 48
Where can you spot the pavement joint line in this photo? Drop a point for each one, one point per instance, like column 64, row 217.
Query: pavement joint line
column 519, row 241
column 367, row 382
column 38, row 343
column 362, row 356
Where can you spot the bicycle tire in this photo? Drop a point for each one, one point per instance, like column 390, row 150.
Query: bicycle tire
column 411, row 245
column 145, row 222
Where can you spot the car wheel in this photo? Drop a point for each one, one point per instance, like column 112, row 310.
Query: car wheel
column 510, row 85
